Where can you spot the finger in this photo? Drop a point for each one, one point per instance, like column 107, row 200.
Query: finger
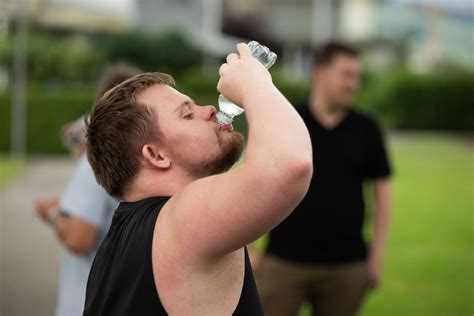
column 222, row 69
column 244, row 50
column 232, row 57
column 219, row 86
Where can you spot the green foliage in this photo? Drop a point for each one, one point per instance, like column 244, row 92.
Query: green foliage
column 5, row 122
column 48, row 109
column 296, row 91
column 435, row 101
column 55, row 59
column 80, row 59
column 5, row 51
column 167, row 52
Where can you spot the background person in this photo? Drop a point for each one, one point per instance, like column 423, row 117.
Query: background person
column 318, row 253
column 82, row 215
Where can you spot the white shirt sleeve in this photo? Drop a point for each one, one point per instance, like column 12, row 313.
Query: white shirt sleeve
column 86, row 199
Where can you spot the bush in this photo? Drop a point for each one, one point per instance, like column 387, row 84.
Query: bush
column 55, row 59
column 435, row 101
column 47, row 111
column 78, row 59
column 166, row 52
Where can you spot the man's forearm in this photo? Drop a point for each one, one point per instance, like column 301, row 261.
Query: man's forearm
column 278, row 144
column 276, row 131
column 59, row 225
column 381, row 220
column 380, row 231
column 74, row 234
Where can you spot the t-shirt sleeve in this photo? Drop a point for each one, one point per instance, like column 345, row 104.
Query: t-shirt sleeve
column 377, row 161
column 85, row 198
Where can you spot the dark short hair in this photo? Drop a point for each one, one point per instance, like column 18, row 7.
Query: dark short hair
column 117, row 129
column 324, row 54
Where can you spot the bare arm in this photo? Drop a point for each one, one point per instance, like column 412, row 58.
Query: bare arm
column 75, row 234
column 219, row 214
column 380, row 226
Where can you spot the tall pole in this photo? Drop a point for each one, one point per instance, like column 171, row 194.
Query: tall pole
column 322, row 21
column 211, row 28
column 18, row 105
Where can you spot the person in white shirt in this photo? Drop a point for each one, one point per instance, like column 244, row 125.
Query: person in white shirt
column 82, row 215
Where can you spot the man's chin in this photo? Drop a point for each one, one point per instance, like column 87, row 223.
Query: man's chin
column 231, row 147
column 231, row 150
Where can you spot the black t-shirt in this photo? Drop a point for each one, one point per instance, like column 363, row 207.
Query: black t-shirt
column 326, row 227
column 121, row 279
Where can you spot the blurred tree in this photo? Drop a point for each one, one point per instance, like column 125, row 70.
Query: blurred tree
column 170, row 51
column 80, row 59
column 56, row 59
column 437, row 100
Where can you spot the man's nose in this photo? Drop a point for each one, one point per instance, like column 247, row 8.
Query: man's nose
column 209, row 112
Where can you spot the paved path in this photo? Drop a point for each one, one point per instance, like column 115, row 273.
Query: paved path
column 29, row 251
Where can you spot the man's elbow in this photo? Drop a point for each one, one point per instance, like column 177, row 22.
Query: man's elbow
column 299, row 174
column 304, row 168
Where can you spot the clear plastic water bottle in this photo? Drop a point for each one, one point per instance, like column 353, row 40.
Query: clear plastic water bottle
column 227, row 109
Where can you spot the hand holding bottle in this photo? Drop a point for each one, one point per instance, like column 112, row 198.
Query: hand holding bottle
column 241, row 75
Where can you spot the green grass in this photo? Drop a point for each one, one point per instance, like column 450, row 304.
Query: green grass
column 9, row 168
column 429, row 264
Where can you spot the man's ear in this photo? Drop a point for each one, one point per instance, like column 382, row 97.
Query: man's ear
column 153, row 156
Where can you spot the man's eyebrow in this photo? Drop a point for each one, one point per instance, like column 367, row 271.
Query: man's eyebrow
column 185, row 103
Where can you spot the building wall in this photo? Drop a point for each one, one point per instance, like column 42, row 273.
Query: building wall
column 160, row 15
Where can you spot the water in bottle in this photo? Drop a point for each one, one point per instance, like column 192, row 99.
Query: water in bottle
column 227, row 109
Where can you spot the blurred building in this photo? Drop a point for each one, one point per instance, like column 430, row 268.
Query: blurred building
column 424, row 33
column 199, row 20
column 79, row 18
column 217, row 25
column 63, row 15
column 437, row 32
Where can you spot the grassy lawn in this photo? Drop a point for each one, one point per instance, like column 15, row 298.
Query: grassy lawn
column 429, row 268
column 9, row 167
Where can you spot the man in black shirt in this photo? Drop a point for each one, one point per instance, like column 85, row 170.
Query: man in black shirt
column 318, row 253
column 177, row 241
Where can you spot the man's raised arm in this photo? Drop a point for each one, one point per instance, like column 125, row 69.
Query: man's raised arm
column 216, row 215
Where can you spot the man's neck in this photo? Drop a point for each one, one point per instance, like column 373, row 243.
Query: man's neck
column 148, row 184
column 326, row 113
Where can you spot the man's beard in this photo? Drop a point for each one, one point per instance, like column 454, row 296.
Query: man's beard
column 229, row 154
